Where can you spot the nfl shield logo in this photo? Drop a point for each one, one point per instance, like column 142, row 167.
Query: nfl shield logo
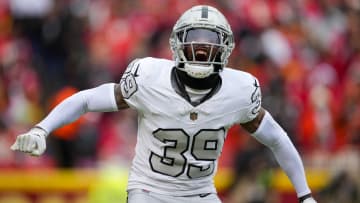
column 193, row 116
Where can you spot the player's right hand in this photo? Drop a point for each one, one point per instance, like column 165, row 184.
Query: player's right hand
column 32, row 142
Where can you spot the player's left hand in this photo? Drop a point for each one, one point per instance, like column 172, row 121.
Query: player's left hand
column 309, row 200
column 32, row 142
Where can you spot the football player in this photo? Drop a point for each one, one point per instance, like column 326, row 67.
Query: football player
column 185, row 108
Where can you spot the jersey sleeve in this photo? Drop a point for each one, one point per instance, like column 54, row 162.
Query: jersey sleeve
column 253, row 102
column 130, row 83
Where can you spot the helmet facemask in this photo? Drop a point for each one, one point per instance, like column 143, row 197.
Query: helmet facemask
column 201, row 51
column 201, row 41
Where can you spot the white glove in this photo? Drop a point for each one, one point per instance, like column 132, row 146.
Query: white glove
column 32, row 142
column 309, row 200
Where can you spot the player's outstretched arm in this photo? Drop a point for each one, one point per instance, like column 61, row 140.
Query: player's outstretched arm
column 267, row 131
column 104, row 98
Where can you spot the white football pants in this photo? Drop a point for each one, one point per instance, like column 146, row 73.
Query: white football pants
column 142, row 196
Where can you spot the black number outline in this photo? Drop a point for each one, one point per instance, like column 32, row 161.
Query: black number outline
column 127, row 84
column 162, row 158
column 128, row 79
column 256, row 98
column 210, row 167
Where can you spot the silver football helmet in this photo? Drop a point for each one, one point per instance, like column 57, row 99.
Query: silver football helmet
column 201, row 41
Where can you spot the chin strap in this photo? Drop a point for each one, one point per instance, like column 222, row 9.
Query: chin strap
column 212, row 81
column 198, row 71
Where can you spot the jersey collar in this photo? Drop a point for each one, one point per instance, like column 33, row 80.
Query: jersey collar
column 177, row 82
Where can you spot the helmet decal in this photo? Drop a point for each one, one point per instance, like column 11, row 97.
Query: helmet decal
column 204, row 12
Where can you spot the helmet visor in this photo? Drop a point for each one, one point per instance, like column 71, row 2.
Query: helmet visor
column 201, row 45
column 202, row 35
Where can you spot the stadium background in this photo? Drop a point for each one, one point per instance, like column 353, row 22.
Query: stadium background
column 306, row 54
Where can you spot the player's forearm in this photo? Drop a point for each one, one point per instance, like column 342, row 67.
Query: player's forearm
column 99, row 99
column 290, row 161
column 273, row 136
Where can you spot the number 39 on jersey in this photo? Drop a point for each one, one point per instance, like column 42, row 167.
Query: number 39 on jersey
column 205, row 147
column 128, row 83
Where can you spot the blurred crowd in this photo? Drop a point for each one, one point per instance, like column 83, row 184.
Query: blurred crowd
column 305, row 53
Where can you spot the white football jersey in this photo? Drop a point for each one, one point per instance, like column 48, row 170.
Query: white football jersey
column 178, row 144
